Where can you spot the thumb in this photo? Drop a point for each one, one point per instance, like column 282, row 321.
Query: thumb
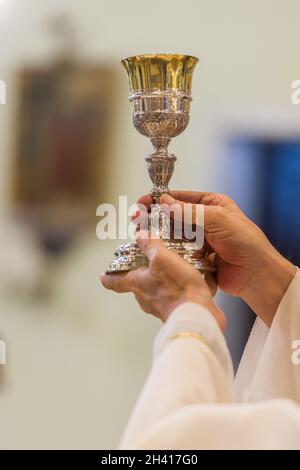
column 149, row 246
column 162, row 259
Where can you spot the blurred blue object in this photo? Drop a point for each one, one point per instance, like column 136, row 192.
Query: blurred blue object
column 282, row 196
column 263, row 177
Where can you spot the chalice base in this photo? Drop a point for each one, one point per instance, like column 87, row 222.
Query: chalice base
column 129, row 257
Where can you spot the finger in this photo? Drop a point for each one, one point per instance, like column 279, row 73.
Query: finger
column 212, row 255
column 224, row 273
column 146, row 200
column 141, row 210
column 184, row 196
column 141, row 220
column 162, row 259
column 207, row 198
column 209, row 249
column 182, row 211
column 121, row 283
column 149, row 246
column 210, row 280
column 195, row 197
column 135, row 216
column 155, row 251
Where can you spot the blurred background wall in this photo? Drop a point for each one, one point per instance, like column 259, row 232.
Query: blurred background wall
column 76, row 354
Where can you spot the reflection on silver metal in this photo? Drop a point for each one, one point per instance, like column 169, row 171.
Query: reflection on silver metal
column 129, row 257
column 160, row 98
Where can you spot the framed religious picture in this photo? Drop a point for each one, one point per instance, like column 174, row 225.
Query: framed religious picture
column 63, row 139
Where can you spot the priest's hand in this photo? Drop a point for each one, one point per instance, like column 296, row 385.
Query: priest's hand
column 248, row 265
column 166, row 283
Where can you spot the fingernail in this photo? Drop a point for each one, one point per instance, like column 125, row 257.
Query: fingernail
column 136, row 215
column 168, row 199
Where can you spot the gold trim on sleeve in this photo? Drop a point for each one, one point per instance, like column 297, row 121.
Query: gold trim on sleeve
column 192, row 335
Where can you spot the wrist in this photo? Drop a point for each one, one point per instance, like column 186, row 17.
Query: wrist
column 203, row 298
column 267, row 284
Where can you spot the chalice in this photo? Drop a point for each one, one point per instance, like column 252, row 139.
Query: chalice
column 160, row 95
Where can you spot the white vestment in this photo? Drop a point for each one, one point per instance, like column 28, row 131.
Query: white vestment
column 191, row 401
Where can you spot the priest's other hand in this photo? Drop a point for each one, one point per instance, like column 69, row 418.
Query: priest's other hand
column 247, row 264
column 166, row 283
